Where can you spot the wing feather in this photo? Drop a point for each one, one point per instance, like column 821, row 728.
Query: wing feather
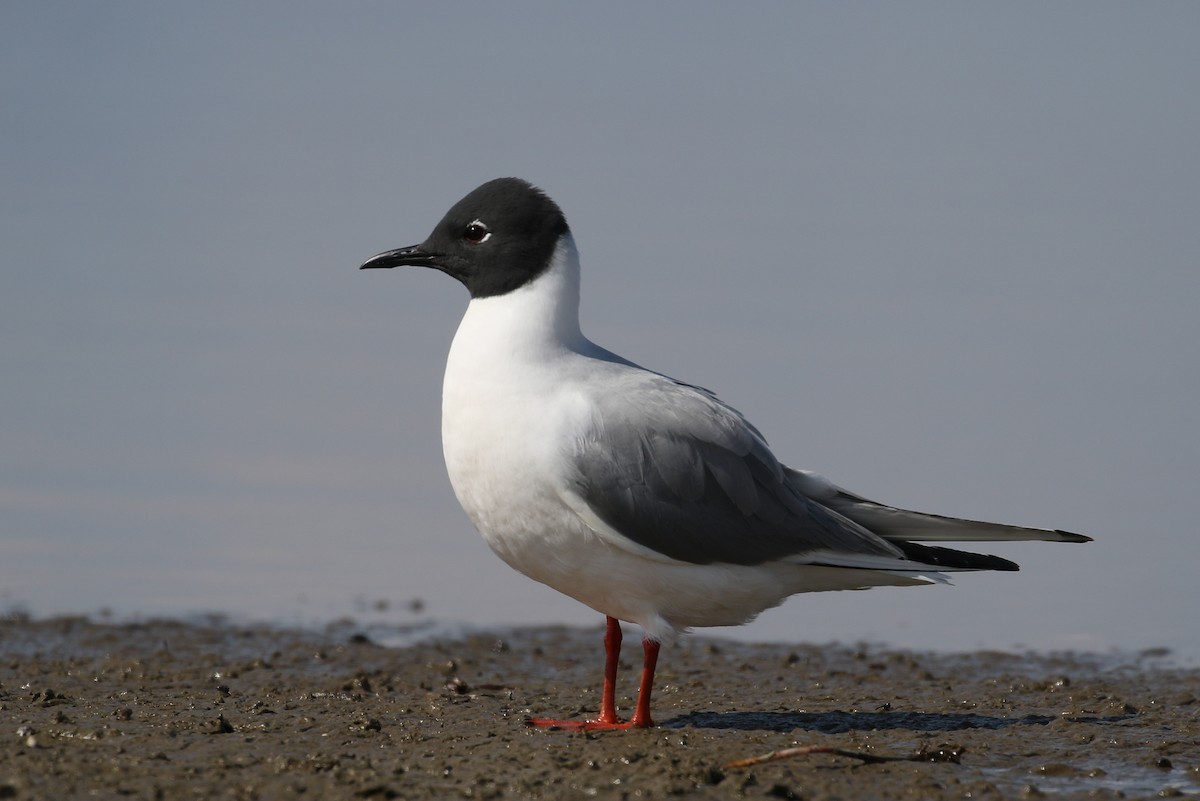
column 673, row 469
column 895, row 524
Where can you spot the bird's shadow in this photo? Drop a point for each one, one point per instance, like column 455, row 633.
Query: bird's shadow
column 838, row 722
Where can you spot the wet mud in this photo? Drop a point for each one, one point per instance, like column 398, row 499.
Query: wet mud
column 172, row 709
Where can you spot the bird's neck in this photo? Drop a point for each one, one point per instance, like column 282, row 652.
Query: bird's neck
column 540, row 317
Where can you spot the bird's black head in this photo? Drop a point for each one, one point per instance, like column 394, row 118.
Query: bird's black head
column 496, row 239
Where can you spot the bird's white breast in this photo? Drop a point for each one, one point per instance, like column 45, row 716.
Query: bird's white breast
column 510, row 402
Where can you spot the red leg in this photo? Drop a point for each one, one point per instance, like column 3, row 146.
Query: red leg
column 608, row 697
column 641, row 716
column 612, row 655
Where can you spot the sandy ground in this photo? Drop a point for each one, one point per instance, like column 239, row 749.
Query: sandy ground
column 170, row 709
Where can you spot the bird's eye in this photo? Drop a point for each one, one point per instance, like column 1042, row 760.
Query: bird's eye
column 476, row 233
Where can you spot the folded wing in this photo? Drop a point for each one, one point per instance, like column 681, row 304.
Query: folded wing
column 669, row 468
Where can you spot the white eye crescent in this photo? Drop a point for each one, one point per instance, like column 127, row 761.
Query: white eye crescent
column 477, row 232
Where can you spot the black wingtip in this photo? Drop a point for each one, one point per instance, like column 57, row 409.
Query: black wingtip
column 952, row 559
column 1067, row 536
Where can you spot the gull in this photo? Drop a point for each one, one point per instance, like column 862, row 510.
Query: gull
column 646, row 498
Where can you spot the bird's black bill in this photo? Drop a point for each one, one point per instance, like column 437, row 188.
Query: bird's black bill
column 401, row 257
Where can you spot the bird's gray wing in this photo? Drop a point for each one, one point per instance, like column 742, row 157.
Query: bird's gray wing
column 671, row 468
column 893, row 523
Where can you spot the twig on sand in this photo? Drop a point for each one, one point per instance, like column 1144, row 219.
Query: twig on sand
column 944, row 753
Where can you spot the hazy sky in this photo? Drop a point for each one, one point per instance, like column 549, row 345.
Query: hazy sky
column 947, row 254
